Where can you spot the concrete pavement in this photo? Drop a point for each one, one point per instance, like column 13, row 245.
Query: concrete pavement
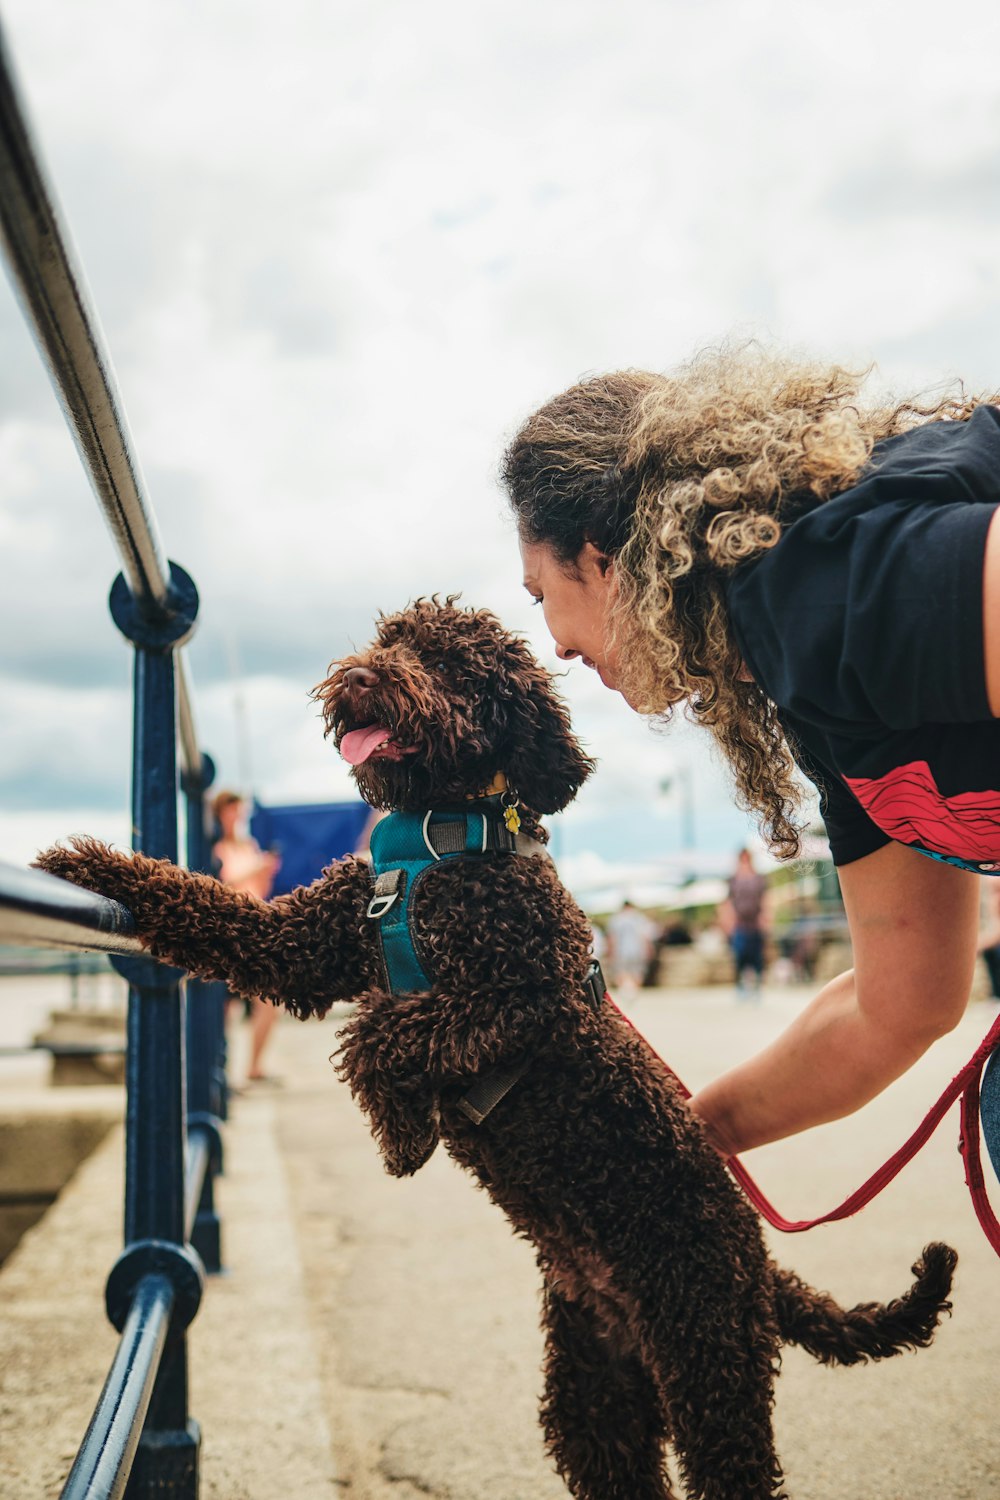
column 378, row 1338
column 425, row 1307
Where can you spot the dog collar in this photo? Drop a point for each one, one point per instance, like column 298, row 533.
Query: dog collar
column 496, row 786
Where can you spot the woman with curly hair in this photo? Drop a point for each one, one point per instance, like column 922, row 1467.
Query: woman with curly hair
column 816, row 579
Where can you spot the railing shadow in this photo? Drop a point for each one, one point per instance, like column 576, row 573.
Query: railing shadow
column 141, row 1440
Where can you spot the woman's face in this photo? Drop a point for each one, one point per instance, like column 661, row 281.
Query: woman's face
column 576, row 604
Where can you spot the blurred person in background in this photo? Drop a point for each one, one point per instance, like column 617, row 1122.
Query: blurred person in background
column 630, row 946
column 815, row 577
column 744, row 918
column 240, row 862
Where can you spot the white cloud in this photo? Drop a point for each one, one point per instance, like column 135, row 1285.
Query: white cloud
column 25, row 834
column 341, row 256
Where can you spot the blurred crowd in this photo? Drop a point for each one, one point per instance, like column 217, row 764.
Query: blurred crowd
column 749, row 936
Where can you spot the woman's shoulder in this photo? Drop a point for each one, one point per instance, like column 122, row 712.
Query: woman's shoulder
column 943, row 462
column 935, row 465
column 926, row 475
column 868, row 609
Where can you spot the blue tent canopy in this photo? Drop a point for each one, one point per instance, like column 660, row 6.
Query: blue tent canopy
column 308, row 837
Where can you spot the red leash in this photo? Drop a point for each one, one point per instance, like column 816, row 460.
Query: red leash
column 965, row 1085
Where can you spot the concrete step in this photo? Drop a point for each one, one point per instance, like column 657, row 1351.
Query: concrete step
column 254, row 1373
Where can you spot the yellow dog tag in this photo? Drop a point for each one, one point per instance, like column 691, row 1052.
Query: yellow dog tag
column 512, row 819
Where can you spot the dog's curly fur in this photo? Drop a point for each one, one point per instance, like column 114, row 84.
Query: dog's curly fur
column 663, row 1312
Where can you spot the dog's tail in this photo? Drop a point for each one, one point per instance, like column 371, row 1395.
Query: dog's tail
column 873, row 1330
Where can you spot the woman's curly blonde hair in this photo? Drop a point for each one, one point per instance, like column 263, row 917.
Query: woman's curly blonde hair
column 681, row 478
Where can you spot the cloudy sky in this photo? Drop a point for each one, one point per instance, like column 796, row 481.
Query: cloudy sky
column 339, row 251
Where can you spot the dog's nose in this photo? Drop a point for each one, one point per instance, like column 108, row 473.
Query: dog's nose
column 360, row 679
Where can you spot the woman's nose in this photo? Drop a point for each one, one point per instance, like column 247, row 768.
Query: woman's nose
column 565, row 653
column 360, row 679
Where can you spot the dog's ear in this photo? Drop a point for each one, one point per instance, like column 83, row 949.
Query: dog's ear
column 400, row 1103
column 541, row 756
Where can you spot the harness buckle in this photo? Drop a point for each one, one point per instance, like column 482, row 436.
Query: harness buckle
column 389, row 886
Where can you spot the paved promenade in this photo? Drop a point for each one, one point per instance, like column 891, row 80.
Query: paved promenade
column 425, row 1307
column 378, row 1339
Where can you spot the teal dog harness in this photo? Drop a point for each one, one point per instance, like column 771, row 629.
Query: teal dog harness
column 404, row 846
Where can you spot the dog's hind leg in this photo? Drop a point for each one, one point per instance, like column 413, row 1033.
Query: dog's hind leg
column 720, row 1404
column 603, row 1421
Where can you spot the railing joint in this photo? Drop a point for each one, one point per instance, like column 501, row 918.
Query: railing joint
column 179, row 1264
column 150, row 625
column 195, row 782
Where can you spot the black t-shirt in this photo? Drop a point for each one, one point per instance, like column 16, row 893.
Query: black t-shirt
column 864, row 625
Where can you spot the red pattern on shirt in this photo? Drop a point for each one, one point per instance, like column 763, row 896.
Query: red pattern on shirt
column 907, row 804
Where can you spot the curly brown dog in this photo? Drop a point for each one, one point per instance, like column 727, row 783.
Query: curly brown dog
column 663, row 1312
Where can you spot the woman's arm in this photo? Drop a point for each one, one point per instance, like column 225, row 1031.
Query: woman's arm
column 913, row 924
column 989, row 931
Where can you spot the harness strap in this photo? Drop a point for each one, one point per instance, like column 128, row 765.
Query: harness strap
column 964, row 1086
column 469, row 833
column 486, row 1093
column 389, row 886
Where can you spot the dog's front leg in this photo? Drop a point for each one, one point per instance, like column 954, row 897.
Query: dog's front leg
column 384, row 1057
column 303, row 950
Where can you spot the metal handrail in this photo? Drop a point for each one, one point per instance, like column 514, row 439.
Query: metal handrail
column 53, row 291
column 197, row 1162
column 106, row 1455
column 42, row 911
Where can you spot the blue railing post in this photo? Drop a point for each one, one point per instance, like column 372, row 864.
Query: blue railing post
column 205, row 1040
column 166, row 1461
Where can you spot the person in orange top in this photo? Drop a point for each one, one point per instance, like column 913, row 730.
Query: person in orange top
column 243, row 864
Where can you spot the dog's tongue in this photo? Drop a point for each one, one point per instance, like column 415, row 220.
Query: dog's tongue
column 358, row 744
